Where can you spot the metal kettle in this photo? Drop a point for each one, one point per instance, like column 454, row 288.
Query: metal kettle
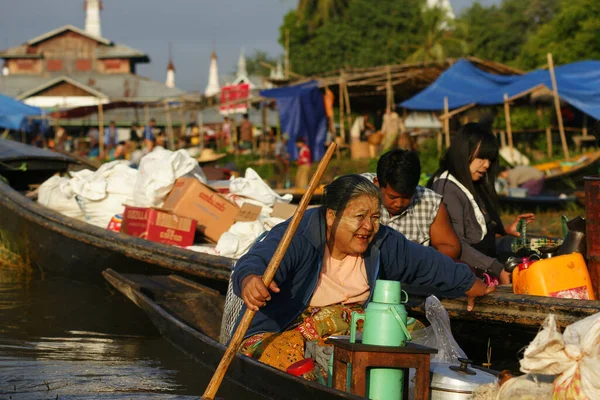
column 456, row 382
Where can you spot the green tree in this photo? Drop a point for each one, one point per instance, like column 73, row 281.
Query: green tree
column 570, row 36
column 439, row 41
column 499, row 32
column 317, row 12
column 363, row 36
column 256, row 63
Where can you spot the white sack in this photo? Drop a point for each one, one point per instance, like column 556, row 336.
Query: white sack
column 239, row 238
column 575, row 351
column 158, row 172
column 56, row 194
column 118, row 180
column 253, row 187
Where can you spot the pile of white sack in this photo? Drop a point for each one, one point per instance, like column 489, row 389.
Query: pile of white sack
column 97, row 196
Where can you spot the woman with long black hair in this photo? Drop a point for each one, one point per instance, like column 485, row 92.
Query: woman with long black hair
column 465, row 179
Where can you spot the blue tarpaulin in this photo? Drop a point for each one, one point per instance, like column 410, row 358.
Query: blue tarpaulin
column 578, row 84
column 13, row 113
column 301, row 114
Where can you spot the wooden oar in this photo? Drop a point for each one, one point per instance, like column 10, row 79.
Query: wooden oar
column 236, row 340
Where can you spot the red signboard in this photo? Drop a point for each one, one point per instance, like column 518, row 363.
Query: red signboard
column 231, row 94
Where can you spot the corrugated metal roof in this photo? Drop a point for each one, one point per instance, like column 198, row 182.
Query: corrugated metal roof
column 109, row 50
column 116, row 87
column 120, row 51
column 127, row 116
column 64, row 28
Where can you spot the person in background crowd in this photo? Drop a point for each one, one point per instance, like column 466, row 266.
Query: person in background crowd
column 246, row 136
column 110, row 137
column 416, row 212
column 133, row 133
column 525, row 177
column 391, row 127
column 465, row 179
column 225, row 136
column 304, row 162
column 149, row 130
column 329, row 271
column 282, row 160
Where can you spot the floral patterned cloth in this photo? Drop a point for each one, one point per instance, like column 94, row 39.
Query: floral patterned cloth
column 315, row 324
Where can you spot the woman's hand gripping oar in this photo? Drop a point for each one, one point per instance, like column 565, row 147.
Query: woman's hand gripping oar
column 238, row 336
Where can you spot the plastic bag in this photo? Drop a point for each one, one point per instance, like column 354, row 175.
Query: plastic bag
column 253, row 187
column 158, row 172
column 439, row 334
column 575, row 355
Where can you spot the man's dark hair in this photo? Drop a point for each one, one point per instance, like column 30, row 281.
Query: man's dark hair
column 399, row 169
column 246, row 116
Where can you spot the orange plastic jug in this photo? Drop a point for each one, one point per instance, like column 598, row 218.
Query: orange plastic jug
column 564, row 276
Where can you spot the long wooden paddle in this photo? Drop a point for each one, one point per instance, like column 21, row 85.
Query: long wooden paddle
column 238, row 336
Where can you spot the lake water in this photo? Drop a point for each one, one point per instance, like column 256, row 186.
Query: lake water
column 61, row 339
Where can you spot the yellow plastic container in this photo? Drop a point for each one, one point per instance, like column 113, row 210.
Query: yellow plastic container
column 564, row 277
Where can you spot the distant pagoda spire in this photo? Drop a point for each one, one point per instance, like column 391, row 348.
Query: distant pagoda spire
column 92, row 17
column 170, row 82
column 242, row 72
column 213, row 86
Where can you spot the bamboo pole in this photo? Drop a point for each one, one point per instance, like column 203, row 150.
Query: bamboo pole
column 446, row 123
column 170, row 134
column 388, row 85
column 238, row 336
column 348, row 109
column 549, row 141
column 200, row 121
column 456, row 111
column 181, row 121
column 287, row 54
column 341, row 116
column 585, row 128
column 264, row 132
column 101, row 128
column 561, row 127
column 508, row 127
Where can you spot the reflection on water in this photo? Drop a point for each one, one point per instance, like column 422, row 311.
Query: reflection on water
column 61, row 339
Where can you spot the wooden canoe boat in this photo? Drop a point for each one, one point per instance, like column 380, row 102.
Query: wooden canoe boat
column 52, row 243
column 189, row 316
column 586, row 164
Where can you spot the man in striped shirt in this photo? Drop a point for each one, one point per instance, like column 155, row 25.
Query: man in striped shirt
column 411, row 209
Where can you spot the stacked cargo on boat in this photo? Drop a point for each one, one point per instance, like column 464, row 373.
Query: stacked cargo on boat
column 169, row 200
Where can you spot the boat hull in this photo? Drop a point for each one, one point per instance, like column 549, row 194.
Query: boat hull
column 51, row 243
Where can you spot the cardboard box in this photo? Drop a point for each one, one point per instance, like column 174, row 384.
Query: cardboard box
column 158, row 226
column 192, row 199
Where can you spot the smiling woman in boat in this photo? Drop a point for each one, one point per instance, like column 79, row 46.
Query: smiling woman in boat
column 329, row 270
column 465, row 179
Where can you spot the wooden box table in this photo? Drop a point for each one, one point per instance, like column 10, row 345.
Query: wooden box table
column 363, row 356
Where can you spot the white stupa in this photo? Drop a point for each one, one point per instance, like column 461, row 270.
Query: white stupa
column 170, row 81
column 92, row 17
column 213, row 86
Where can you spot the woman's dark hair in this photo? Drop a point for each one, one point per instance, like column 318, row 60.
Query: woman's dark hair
column 473, row 140
column 400, row 169
column 338, row 193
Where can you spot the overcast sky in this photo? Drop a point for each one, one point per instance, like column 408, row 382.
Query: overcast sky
column 191, row 26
